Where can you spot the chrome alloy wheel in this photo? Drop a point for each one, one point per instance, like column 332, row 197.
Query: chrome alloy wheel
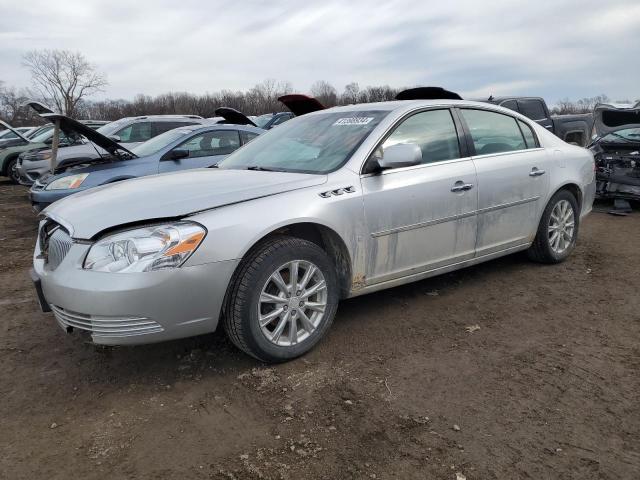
column 561, row 227
column 292, row 303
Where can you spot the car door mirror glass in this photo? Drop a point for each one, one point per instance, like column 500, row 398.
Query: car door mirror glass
column 400, row 155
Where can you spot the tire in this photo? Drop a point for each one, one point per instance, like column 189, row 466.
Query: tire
column 249, row 303
column 12, row 172
column 545, row 248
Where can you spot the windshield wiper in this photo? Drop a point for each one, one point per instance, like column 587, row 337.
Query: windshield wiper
column 258, row 168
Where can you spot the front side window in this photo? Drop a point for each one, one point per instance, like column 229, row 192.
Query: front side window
column 316, row 143
column 136, row 132
column 493, row 132
column 433, row 131
column 208, row 144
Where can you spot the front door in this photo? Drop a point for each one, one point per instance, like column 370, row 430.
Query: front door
column 421, row 217
column 205, row 150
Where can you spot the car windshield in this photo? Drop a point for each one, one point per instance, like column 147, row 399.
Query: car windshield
column 158, row 143
column 43, row 137
column 111, row 128
column 316, row 143
column 262, row 120
column 629, row 134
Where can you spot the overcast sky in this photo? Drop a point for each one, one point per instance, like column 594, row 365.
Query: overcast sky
column 553, row 48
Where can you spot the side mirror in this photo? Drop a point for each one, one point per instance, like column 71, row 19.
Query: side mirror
column 176, row 154
column 400, row 155
column 115, row 138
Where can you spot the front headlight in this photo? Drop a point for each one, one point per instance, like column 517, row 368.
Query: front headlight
column 145, row 249
column 67, row 183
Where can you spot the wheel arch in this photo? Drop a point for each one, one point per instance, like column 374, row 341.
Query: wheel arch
column 7, row 161
column 323, row 236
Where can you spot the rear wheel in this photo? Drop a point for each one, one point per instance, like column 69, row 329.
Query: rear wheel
column 12, row 170
column 282, row 299
column 558, row 229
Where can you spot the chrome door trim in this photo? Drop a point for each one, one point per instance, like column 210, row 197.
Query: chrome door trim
column 422, row 224
column 414, row 226
column 507, row 205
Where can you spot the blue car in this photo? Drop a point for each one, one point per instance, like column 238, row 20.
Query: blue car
column 196, row 146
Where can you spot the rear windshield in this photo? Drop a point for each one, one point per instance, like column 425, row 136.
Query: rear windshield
column 317, row 143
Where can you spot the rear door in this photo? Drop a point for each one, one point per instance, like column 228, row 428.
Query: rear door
column 205, row 150
column 421, row 217
column 512, row 179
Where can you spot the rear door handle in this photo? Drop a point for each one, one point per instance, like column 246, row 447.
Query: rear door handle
column 535, row 172
column 461, row 187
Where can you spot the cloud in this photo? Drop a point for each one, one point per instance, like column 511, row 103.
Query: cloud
column 563, row 48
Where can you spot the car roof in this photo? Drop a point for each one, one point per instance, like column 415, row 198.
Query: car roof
column 221, row 126
column 401, row 104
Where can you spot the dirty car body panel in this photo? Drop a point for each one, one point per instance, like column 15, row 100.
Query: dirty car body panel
column 385, row 227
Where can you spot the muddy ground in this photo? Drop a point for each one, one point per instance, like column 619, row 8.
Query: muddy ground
column 548, row 387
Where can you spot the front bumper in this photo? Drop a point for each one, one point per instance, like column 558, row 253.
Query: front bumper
column 41, row 198
column 30, row 171
column 136, row 308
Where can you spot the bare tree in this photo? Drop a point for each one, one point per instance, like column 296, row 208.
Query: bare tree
column 62, row 77
column 325, row 93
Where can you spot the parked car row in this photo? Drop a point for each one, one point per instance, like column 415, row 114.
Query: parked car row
column 332, row 204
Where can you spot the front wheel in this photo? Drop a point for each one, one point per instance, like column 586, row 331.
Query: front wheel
column 282, row 300
column 558, row 229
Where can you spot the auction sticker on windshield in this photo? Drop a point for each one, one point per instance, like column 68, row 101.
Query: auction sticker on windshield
column 353, row 121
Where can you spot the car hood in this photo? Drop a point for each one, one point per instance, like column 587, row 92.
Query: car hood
column 172, row 195
column 301, row 104
column 71, row 126
column 233, row 116
column 609, row 118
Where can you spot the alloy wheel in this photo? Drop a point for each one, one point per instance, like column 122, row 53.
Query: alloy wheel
column 561, row 228
column 292, row 303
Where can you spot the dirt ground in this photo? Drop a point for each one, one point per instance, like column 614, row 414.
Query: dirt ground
column 548, row 387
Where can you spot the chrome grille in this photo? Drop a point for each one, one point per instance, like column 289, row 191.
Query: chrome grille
column 101, row 326
column 58, row 246
column 55, row 243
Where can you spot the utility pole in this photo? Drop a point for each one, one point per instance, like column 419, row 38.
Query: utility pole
column 54, row 146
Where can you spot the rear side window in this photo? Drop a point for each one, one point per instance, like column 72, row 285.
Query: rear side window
column 246, row 137
column 433, row 131
column 532, row 108
column 529, row 136
column 493, row 132
column 161, row 127
column 136, row 132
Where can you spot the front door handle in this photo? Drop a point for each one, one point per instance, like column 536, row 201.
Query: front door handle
column 461, row 187
column 535, row 172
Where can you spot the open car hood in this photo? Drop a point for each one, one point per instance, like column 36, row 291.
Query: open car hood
column 170, row 195
column 20, row 136
column 233, row 116
column 72, row 127
column 40, row 108
column 301, row 104
column 427, row 93
column 609, row 118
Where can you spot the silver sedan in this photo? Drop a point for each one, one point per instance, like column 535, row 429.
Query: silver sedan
column 330, row 205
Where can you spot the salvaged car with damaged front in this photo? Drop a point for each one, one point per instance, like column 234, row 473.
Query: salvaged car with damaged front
column 334, row 204
column 616, row 149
